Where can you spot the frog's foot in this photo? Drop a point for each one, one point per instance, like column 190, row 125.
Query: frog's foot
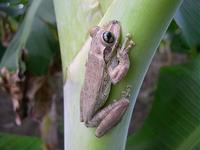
column 127, row 44
column 126, row 92
column 108, row 117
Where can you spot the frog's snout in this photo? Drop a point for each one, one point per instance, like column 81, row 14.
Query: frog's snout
column 115, row 22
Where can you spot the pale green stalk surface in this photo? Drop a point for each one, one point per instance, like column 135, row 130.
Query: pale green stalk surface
column 147, row 21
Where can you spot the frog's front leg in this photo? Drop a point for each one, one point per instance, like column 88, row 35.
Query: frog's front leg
column 119, row 70
column 108, row 117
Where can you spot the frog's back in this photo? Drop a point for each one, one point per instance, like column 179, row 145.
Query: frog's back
column 94, row 76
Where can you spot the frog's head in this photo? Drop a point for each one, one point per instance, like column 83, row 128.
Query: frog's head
column 108, row 36
column 109, row 33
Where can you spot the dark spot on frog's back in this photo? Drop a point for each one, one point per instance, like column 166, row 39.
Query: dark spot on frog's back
column 107, row 53
column 107, row 50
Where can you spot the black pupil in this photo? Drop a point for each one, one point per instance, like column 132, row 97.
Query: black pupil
column 108, row 37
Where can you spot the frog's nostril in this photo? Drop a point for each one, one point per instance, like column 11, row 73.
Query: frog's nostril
column 115, row 21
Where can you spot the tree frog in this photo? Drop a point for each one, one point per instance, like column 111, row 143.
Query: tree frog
column 107, row 64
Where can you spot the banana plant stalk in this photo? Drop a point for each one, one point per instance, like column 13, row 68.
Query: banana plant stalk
column 146, row 21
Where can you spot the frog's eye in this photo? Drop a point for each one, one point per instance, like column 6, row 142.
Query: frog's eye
column 108, row 37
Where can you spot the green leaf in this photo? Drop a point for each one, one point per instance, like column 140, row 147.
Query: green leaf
column 36, row 36
column 16, row 142
column 187, row 17
column 174, row 122
column 177, row 41
column 42, row 44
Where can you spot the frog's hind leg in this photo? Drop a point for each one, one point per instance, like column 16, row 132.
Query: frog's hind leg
column 108, row 117
column 102, row 114
column 113, row 117
column 116, row 112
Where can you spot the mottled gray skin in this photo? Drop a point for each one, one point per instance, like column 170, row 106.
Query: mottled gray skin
column 107, row 64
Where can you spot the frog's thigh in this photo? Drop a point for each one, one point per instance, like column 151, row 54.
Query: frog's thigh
column 113, row 117
column 100, row 115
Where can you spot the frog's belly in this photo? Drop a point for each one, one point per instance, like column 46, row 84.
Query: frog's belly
column 94, row 79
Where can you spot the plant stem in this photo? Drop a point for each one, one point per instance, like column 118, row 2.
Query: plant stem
column 146, row 21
